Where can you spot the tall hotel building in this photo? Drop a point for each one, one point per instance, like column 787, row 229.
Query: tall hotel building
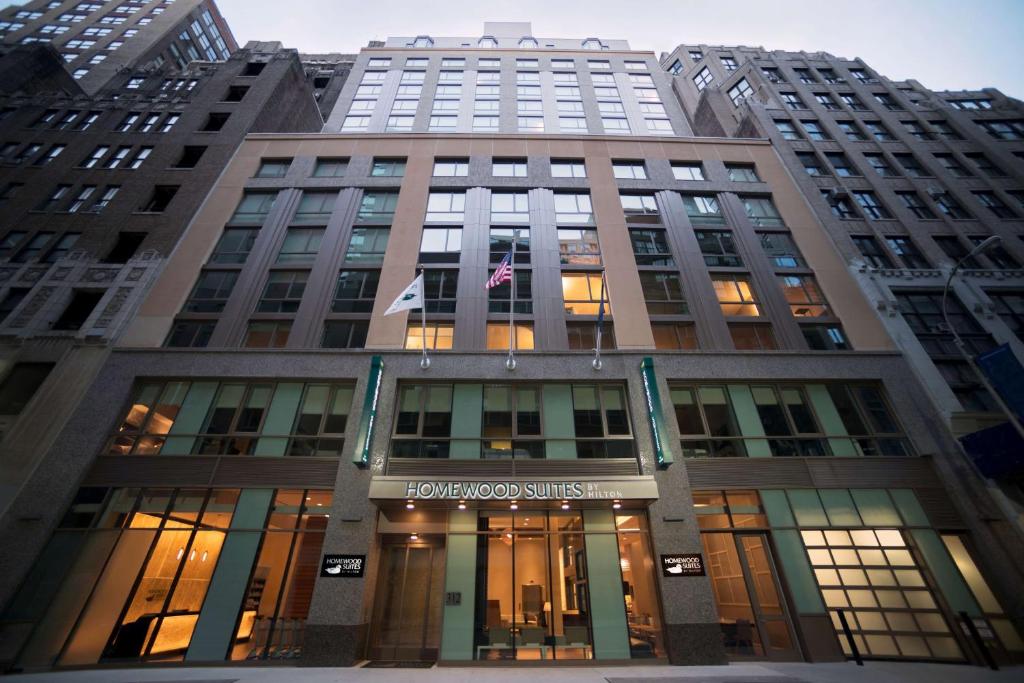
column 265, row 469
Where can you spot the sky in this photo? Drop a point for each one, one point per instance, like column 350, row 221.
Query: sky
column 945, row 44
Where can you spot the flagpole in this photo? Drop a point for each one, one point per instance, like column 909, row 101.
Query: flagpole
column 600, row 319
column 425, row 361
column 510, row 362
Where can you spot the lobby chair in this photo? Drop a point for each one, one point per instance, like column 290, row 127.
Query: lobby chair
column 575, row 638
column 498, row 638
column 532, row 637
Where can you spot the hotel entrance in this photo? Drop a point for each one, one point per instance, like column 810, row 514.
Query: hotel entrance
column 406, row 622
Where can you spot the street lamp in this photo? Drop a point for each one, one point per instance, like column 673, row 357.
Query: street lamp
column 988, row 243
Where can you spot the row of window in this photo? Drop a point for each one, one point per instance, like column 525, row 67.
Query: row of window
column 907, row 255
column 505, row 207
column 48, row 246
column 504, row 167
column 519, row 420
column 873, row 209
column 857, row 131
column 495, row 63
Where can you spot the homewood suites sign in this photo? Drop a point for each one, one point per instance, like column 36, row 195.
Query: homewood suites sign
column 533, row 489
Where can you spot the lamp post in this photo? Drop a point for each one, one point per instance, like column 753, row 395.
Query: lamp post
column 961, row 347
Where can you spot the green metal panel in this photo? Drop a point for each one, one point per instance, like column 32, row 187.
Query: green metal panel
column 910, row 509
column 876, row 508
column 797, row 569
column 460, row 577
column 190, row 418
column 945, row 571
column 215, row 627
column 776, row 506
column 467, row 421
column 280, row 419
column 559, row 449
column 749, row 421
column 604, row 578
column 831, row 422
column 662, row 451
column 839, row 507
column 557, row 412
column 368, row 417
column 559, row 428
column 807, row 507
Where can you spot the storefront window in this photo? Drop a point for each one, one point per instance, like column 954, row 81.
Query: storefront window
column 138, row 566
column 276, row 603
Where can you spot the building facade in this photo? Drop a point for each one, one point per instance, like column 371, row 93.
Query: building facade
column 96, row 192
column 98, row 39
column 709, row 446
column 906, row 180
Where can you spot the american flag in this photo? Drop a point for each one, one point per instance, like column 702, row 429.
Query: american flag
column 503, row 273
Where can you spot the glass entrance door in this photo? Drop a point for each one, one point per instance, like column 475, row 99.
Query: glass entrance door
column 407, row 616
column 752, row 611
column 768, row 603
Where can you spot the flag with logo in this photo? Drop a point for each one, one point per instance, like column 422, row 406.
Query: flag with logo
column 411, row 297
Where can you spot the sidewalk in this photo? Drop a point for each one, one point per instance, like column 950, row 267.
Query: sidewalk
column 875, row 672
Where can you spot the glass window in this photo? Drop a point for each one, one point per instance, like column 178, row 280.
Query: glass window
column 509, row 168
column 578, row 246
column 438, row 336
column 568, row 168
column 283, row 292
column 330, row 167
column 267, row 334
column 632, row 170
column 703, row 209
column 439, row 245
column 254, row 207
column 663, row 293
column 501, row 244
column 584, row 293
column 718, row 248
column 355, row 291
column 377, row 207
column 273, row 168
column 300, row 244
column 735, row 294
column 692, row 171
column 752, row 337
column 367, row 245
column 742, row 173
column 211, row 291
column 510, row 207
column 804, row 296
column 650, row 247
column 391, row 168
column 315, row 206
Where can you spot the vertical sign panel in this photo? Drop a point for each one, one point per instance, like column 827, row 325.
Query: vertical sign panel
column 662, row 454
column 364, row 437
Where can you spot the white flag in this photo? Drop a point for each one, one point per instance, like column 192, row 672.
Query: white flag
column 411, row 297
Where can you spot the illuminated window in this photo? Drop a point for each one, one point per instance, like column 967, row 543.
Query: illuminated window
column 438, row 336
column 735, row 295
column 582, row 294
column 497, row 336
